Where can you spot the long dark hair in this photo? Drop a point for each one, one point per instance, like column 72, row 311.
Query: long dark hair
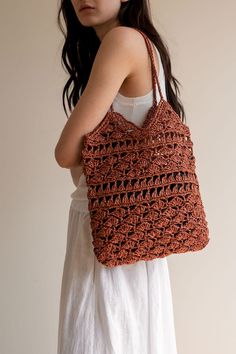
column 81, row 45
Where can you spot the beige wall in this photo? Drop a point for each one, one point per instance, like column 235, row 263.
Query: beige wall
column 201, row 38
column 35, row 191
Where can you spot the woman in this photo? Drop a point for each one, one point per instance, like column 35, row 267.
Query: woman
column 126, row 309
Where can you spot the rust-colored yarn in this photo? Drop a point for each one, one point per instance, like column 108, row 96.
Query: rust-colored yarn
column 143, row 192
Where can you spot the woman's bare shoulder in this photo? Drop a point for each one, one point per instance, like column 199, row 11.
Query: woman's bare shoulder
column 124, row 34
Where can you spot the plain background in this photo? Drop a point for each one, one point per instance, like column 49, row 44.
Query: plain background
column 35, row 191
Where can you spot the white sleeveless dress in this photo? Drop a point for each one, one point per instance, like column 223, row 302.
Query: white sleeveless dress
column 122, row 310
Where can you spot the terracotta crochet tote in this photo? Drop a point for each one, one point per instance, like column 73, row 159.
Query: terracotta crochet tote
column 143, row 192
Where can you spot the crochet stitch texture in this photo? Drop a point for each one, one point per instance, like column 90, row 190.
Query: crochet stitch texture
column 143, row 191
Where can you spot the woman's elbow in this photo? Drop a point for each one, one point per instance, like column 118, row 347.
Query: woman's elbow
column 60, row 158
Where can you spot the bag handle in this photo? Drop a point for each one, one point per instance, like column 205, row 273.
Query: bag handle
column 153, row 68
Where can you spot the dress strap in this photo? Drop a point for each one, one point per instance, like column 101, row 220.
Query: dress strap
column 154, row 73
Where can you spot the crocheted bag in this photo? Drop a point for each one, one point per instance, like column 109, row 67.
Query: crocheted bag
column 143, row 192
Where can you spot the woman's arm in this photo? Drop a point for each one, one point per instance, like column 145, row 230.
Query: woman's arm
column 113, row 63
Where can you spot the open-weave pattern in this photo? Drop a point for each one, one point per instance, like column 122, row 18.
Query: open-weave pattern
column 143, row 192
